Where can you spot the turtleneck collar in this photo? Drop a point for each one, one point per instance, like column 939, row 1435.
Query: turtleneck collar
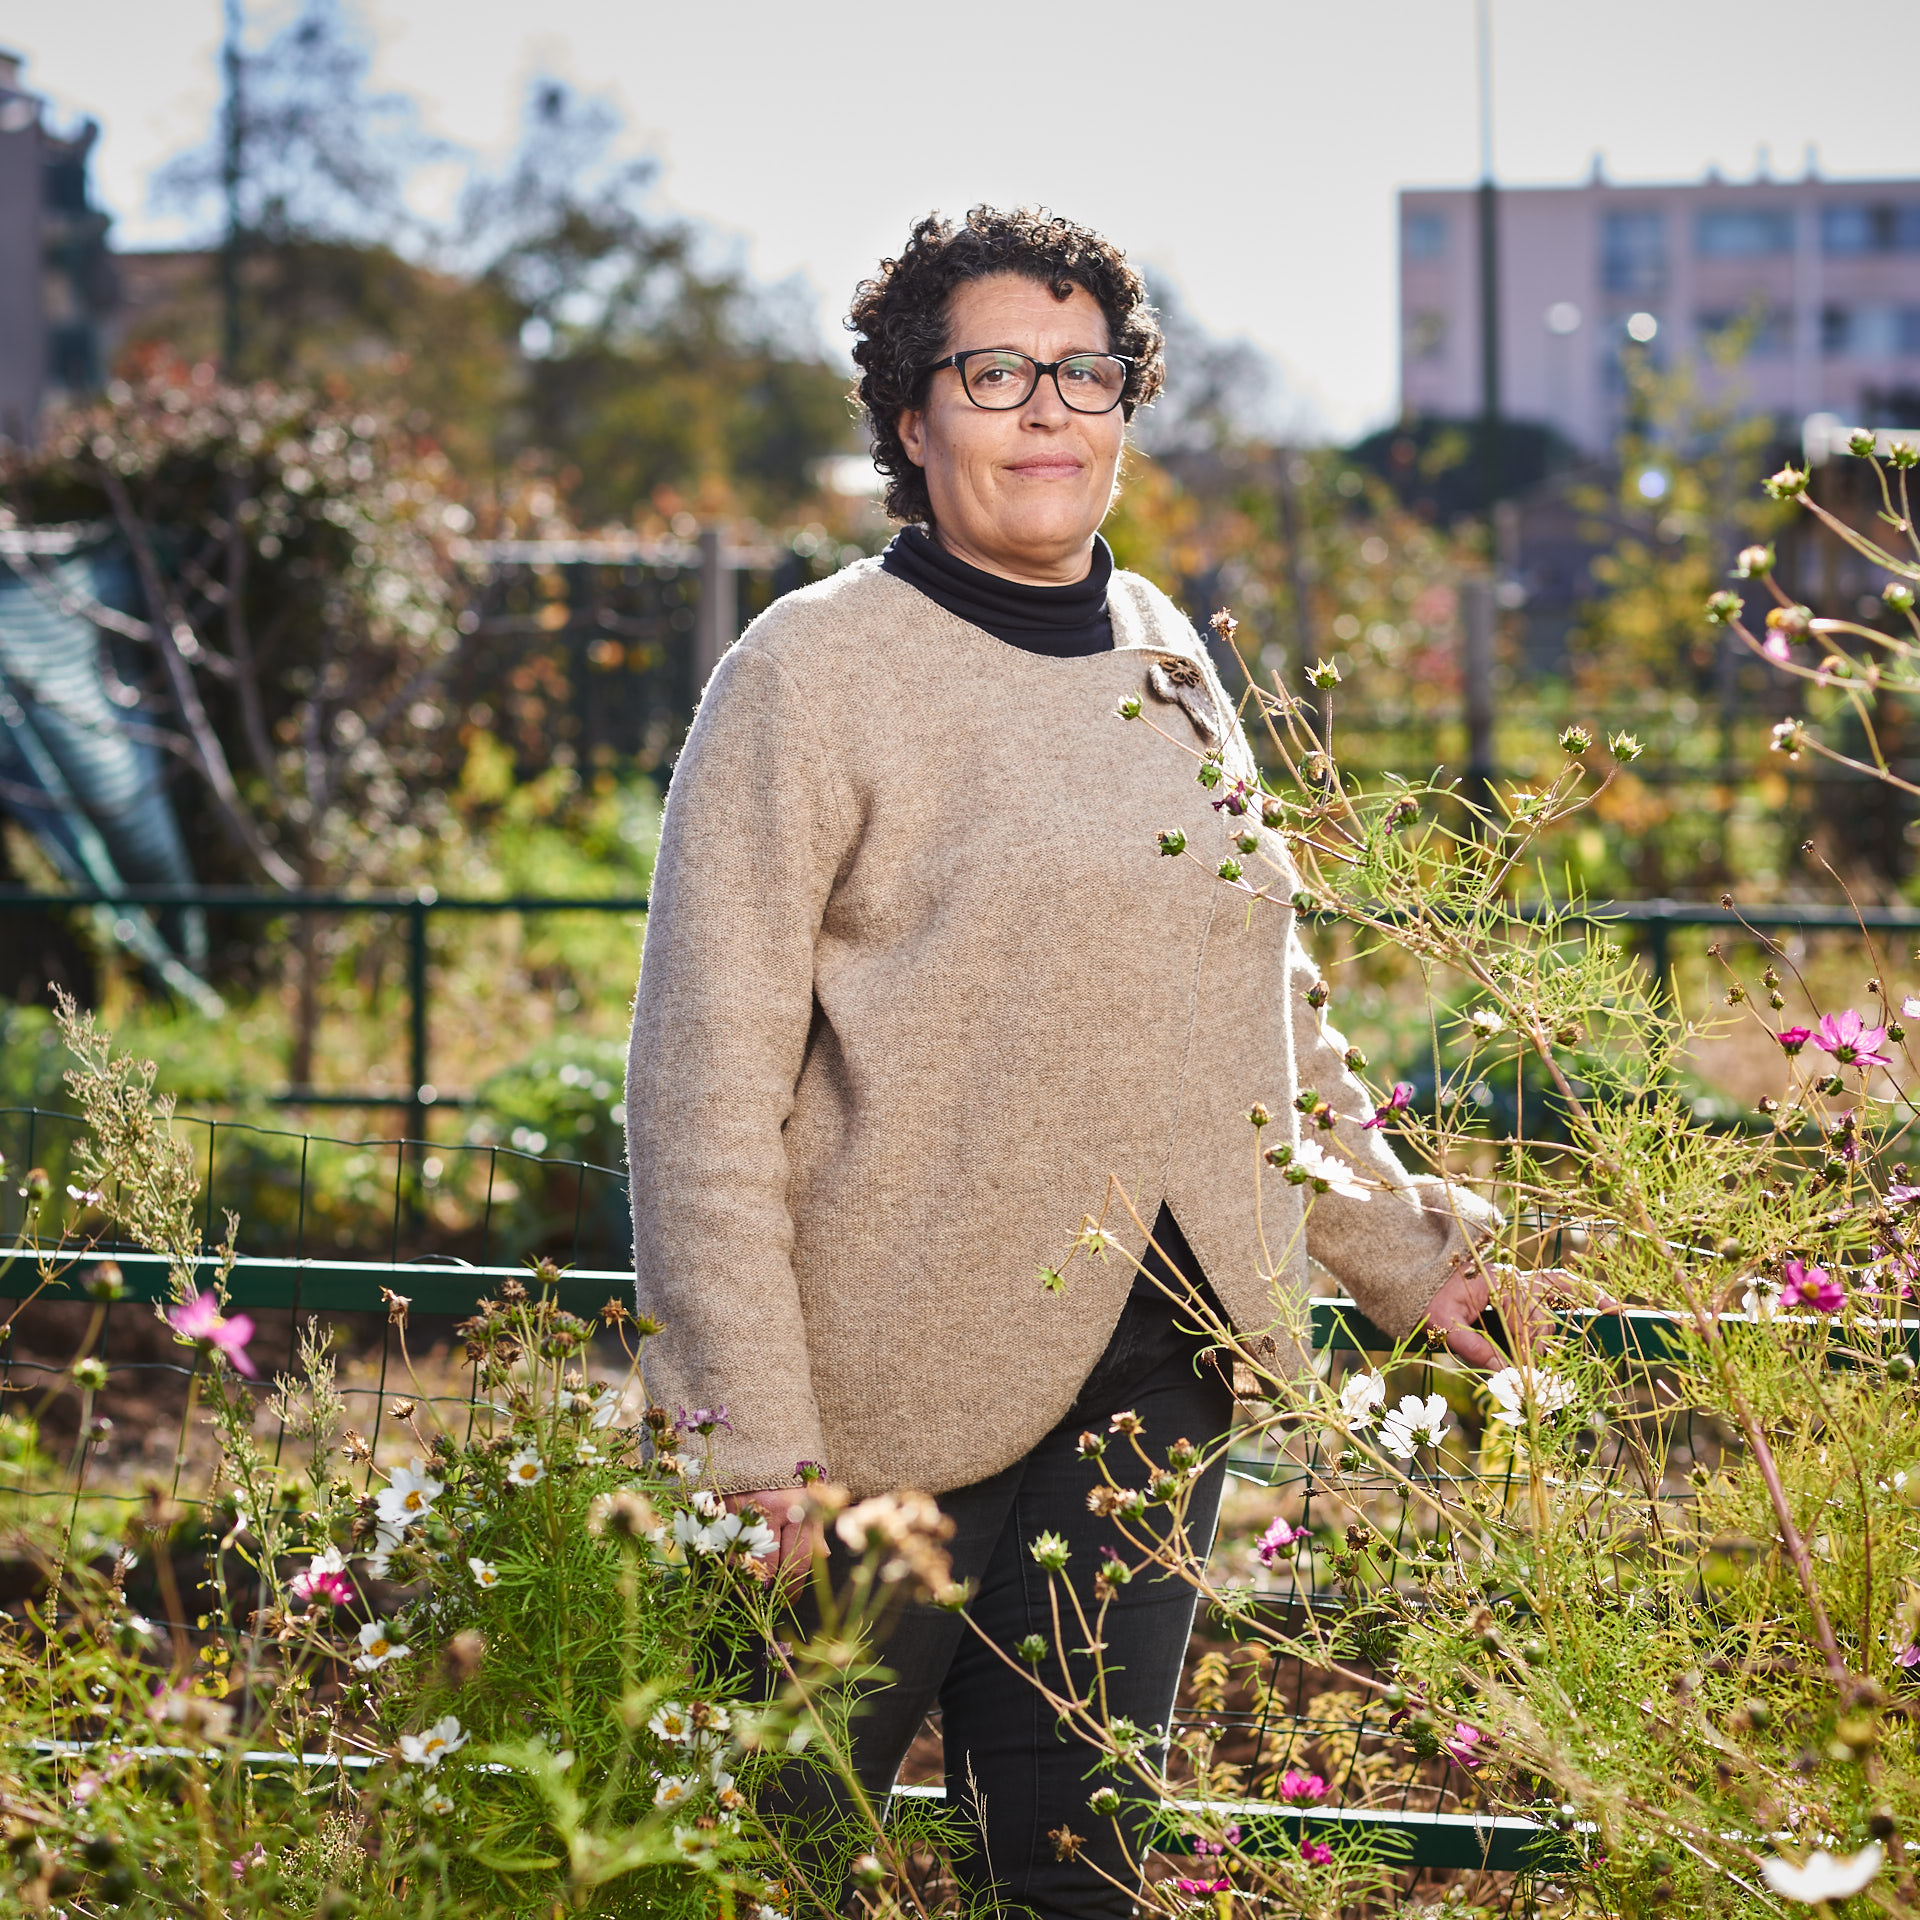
column 1061, row 621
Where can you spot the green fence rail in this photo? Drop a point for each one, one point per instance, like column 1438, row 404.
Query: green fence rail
column 1655, row 920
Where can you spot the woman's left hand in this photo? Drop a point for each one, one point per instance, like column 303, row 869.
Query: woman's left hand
column 1521, row 1294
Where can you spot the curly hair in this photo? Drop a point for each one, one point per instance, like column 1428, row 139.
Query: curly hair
column 900, row 316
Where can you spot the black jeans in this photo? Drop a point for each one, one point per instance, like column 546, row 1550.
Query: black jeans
column 1009, row 1764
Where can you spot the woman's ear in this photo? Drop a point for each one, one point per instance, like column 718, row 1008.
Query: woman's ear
column 912, row 429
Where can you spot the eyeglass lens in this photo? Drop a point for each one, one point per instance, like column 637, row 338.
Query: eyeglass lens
column 1088, row 382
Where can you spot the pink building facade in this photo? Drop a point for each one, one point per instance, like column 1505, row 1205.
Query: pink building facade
column 1823, row 274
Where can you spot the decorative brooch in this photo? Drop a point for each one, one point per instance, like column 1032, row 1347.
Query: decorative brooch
column 1178, row 680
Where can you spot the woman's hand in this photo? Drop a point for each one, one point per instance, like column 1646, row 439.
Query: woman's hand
column 1522, row 1296
column 797, row 1538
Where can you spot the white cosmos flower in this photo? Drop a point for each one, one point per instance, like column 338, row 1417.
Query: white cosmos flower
column 1487, row 1021
column 756, row 1538
column 331, row 1561
column 526, row 1468
column 408, row 1496
column 428, row 1749
column 484, row 1574
column 731, row 1799
column 1328, row 1172
column 385, row 1540
column 711, row 1537
column 600, row 1406
column 1910, row 1007
column 672, row 1790
column 672, row 1723
column 1512, row 1387
column 1414, row 1423
column 708, row 1504
column 1760, row 1302
column 1823, row 1877
column 437, row 1802
column 1360, row 1395
column 378, row 1646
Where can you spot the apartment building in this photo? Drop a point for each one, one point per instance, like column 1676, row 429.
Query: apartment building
column 56, row 278
column 1821, row 279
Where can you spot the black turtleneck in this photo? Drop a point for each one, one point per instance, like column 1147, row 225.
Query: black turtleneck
column 1062, row 621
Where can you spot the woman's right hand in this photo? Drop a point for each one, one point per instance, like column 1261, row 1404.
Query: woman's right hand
column 797, row 1538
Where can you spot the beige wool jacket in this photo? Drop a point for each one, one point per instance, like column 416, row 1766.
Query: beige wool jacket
column 917, row 986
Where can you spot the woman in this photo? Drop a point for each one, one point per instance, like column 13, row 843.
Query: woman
column 918, row 985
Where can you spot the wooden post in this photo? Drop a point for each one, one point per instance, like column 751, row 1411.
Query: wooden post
column 718, row 624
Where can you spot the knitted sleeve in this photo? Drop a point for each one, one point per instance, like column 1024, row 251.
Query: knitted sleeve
column 1391, row 1250
column 752, row 837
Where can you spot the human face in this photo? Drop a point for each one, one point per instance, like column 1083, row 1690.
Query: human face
column 1022, row 492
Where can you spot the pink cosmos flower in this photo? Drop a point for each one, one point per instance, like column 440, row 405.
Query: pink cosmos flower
column 1461, row 1746
column 1908, row 1656
column 1401, row 1096
column 1811, row 1287
column 1276, row 1540
column 1774, row 646
column 1851, row 1041
column 331, row 1589
column 1316, row 1853
column 1187, row 1885
column 199, row 1318
column 1792, row 1039
column 1301, row 1789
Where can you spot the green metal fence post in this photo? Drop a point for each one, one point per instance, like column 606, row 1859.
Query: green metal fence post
column 419, row 1085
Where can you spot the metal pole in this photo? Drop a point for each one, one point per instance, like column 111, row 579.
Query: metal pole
column 718, row 624
column 1476, row 672
column 1491, row 477
column 232, row 166
column 421, row 1088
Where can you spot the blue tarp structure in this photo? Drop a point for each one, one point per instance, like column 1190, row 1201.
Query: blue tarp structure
column 75, row 770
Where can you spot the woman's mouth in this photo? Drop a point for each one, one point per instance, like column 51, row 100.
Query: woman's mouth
column 1046, row 467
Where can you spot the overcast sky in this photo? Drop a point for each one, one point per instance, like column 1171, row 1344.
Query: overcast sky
column 1248, row 151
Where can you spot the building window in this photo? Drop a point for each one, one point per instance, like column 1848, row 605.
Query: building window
column 1426, row 336
column 1758, row 335
column 1423, row 236
column 1869, row 333
column 1633, row 252
column 1890, row 227
column 1739, row 233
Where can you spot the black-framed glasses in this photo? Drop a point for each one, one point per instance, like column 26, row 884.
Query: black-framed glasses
column 999, row 379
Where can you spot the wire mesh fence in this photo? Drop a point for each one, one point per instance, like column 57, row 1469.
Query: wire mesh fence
column 330, row 1228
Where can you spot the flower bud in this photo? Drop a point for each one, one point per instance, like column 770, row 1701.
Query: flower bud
column 1091, row 1446
column 1788, row 484
column 1229, row 869
column 1624, row 747
column 1903, row 454
column 106, row 1282
column 1318, row 995
column 1279, row 1156
column 1273, row 815
column 1793, row 622
column 1723, row 608
column 1900, row 1368
column 1258, row 1115
column 1050, row 1551
column 1306, row 1100
column 1534, row 1653
column 1130, row 707
column 1103, row 1801
column 1898, row 595
column 1304, row 902
column 1575, row 740
column 90, row 1374
column 1755, row 563
column 1172, row 842
column 867, row 1871
column 1355, row 1059
column 1209, row 774
column 1324, row 674
column 1861, row 443
column 1247, row 842
column 39, row 1185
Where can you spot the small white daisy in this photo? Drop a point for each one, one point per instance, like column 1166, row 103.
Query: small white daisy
column 671, row 1722
column 378, row 1646
column 484, row 1574
column 526, row 1468
column 672, row 1790
column 428, row 1749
